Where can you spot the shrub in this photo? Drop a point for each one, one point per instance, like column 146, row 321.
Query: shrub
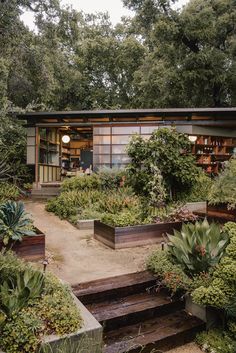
column 222, row 288
column 124, row 218
column 47, row 310
column 199, row 191
column 111, row 178
column 119, row 200
column 223, row 189
column 197, row 247
column 216, row 341
column 91, row 182
column 8, row 192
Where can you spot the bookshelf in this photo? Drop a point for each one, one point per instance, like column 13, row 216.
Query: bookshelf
column 213, row 151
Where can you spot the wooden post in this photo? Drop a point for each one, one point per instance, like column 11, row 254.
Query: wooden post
column 37, row 140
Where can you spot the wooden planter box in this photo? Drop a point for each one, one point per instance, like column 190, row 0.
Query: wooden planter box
column 30, row 248
column 128, row 237
column 220, row 213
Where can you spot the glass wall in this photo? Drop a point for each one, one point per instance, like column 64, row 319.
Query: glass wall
column 110, row 143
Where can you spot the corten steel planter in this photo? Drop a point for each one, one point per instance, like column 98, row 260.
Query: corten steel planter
column 31, row 248
column 220, row 213
column 128, row 237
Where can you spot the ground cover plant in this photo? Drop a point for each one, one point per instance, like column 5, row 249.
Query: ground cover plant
column 8, row 191
column 201, row 260
column 32, row 304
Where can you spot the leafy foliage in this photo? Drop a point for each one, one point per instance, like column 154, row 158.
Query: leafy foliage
column 14, row 222
column 8, row 192
column 216, row 341
column 170, row 152
column 197, row 247
column 16, row 293
column 223, row 189
column 221, row 290
column 34, row 305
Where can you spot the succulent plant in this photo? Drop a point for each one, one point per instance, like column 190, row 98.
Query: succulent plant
column 16, row 293
column 14, row 222
column 198, row 246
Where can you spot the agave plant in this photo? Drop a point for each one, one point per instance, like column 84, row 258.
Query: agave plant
column 198, row 247
column 16, row 293
column 14, row 222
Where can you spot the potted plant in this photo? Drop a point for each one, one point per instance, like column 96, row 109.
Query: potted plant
column 18, row 233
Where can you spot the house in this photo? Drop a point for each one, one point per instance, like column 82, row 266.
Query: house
column 67, row 143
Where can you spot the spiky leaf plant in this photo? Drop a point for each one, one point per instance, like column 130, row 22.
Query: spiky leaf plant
column 198, row 246
column 14, row 222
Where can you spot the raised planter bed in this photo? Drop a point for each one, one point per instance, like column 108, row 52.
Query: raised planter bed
column 221, row 213
column 88, row 338
column 31, row 248
column 127, row 237
column 85, row 224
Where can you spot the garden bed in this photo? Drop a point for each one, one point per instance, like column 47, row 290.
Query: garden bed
column 87, row 339
column 221, row 212
column 31, row 248
column 127, row 237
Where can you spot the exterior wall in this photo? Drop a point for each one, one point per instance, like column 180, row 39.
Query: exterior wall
column 31, row 145
column 109, row 143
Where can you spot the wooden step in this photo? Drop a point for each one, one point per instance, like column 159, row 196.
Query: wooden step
column 118, row 286
column 161, row 333
column 133, row 309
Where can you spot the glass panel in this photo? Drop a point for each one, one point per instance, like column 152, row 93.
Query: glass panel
column 120, row 140
column 118, row 149
column 31, row 131
column 31, row 141
column 120, row 159
column 101, row 130
column 124, row 130
column 30, row 155
column 101, row 149
column 101, row 159
column 148, row 129
column 101, row 140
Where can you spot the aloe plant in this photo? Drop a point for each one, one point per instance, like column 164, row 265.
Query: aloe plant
column 197, row 247
column 14, row 222
column 16, row 293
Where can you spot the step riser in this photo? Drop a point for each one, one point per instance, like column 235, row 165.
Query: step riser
column 114, row 293
column 165, row 344
column 137, row 317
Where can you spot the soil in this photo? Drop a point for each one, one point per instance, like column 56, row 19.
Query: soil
column 74, row 256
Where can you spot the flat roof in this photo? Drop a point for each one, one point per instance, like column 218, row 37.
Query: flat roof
column 128, row 112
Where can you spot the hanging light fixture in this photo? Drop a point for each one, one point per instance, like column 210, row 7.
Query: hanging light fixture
column 65, row 138
column 192, row 139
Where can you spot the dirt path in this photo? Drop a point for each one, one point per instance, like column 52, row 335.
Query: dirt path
column 77, row 257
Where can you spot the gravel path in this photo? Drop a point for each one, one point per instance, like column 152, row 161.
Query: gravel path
column 75, row 256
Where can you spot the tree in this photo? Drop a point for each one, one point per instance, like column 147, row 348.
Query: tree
column 191, row 60
column 169, row 152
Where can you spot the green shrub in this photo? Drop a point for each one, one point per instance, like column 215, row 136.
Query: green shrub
column 171, row 276
column 89, row 213
column 124, row 218
column 111, row 178
column 21, row 333
column 199, row 191
column 216, row 341
column 91, row 182
column 223, row 189
column 222, row 288
column 48, row 309
column 8, row 192
column 14, row 222
column 198, row 246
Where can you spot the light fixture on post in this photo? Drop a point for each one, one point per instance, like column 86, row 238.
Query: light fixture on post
column 192, row 139
column 65, row 138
